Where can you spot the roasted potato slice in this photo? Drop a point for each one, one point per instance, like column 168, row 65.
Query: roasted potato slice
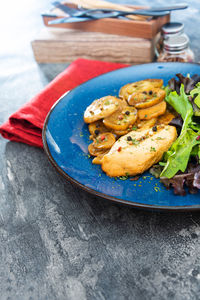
column 101, row 108
column 97, row 127
column 104, row 141
column 153, row 111
column 94, row 151
column 137, row 86
column 121, row 119
column 97, row 160
column 147, row 98
column 120, row 132
column 146, row 124
column 166, row 118
column 132, row 127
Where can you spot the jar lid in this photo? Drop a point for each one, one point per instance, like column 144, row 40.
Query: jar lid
column 176, row 43
column 172, row 28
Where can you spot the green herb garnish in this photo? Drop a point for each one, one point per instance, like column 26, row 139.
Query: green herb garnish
column 152, row 149
column 107, row 102
column 134, row 128
column 135, row 142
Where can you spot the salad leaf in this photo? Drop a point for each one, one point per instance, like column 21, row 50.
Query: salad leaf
column 178, row 123
column 191, row 88
column 194, row 98
column 178, row 155
column 190, row 178
column 180, row 166
column 177, row 182
column 196, row 181
column 196, row 93
column 156, row 170
column 188, row 82
column 181, row 104
column 197, row 100
column 196, row 152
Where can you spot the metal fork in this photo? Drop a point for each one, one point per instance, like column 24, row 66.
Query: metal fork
column 78, row 15
column 74, row 12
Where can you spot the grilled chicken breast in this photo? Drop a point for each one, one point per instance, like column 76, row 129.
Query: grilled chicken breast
column 137, row 151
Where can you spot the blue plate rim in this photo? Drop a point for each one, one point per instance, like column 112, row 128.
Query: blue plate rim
column 166, row 208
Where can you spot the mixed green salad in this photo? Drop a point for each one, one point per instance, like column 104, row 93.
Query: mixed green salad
column 180, row 166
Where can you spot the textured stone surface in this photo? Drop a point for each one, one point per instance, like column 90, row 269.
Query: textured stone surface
column 60, row 243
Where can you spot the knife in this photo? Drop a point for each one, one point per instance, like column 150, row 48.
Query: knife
column 92, row 14
column 74, row 12
column 113, row 14
column 70, row 20
column 169, row 8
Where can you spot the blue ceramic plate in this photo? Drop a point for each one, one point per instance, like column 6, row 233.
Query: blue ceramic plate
column 66, row 139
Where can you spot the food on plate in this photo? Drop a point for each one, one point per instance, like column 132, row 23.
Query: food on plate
column 137, row 151
column 146, row 124
column 94, row 151
column 130, row 90
column 121, row 119
column 97, row 127
column 101, row 108
column 147, row 98
column 114, row 119
column 98, row 159
column 166, row 118
column 153, row 111
column 149, row 127
column 180, row 165
column 104, row 141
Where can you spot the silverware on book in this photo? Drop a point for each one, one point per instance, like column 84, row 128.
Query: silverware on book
column 91, row 15
column 77, row 15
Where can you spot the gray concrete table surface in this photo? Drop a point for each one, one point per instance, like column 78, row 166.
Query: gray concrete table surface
column 58, row 242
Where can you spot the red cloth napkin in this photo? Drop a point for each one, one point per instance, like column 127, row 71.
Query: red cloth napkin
column 26, row 124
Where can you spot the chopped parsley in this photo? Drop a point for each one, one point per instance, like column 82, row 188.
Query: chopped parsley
column 135, row 142
column 107, row 102
column 134, row 128
column 159, row 138
column 152, row 149
column 124, row 177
